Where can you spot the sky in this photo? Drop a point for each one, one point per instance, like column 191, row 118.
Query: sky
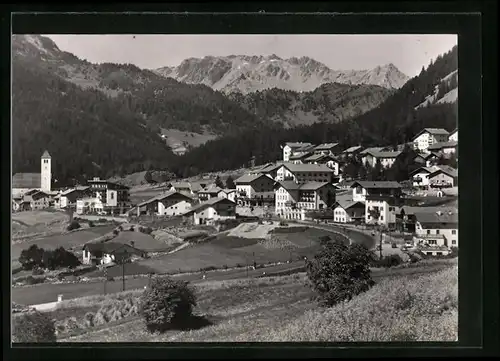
column 339, row 52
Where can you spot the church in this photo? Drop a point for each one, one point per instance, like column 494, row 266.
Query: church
column 24, row 182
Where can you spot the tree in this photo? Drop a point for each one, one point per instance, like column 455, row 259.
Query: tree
column 218, row 182
column 33, row 327
column 230, row 183
column 339, row 272
column 31, row 257
column 167, row 304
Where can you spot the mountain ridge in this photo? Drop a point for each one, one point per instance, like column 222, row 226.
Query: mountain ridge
column 249, row 73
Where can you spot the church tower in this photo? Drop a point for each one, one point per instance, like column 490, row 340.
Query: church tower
column 46, row 173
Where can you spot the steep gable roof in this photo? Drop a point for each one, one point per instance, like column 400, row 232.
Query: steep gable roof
column 249, row 178
column 452, row 172
column 353, row 149
column 211, row 202
column 441, row 145
column 46, row 155
column 382, row 154
column 434, row 131
column 26, row 180
column 307, row 168
column 296, row 144
column 346, row 204
column 112, row 247
column 373, row 149
column 326, row 146
column 428, row 219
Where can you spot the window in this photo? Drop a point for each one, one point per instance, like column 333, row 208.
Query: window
column 454, row 231
column 112, row 195
column 437, row 231
column 428, row 231
column 454, row 241
column 439, row 253
column 381, row 218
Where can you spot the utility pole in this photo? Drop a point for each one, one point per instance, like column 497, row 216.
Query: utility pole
column 105, row 278
column 123, row 270
column 380, row 245
column 246, row 261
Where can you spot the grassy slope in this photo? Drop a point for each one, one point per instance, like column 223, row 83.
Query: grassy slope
column 401, row 308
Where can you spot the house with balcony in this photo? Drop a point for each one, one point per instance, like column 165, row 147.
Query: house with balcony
column 227, row 193
column 443, row 177
column 105, row 196
column 361, row 189
column 386, row 159
column 299, row 157
column 255, row 190
column 293, row 200
column 427, row 159
column 382, row 209
column 429, row 136
column 270, row 170
column 303, row 173
column 348, row 211
column 420, row 176
column 170, row 203
column 213, row 210
column 437, row 229
column 208, row 193
column 68, row 197
column 188, row 188
column 35, row 200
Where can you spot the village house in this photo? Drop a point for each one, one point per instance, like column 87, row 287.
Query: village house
column 109, row 252
column 33, row 200
column 438, row 228
column 24, row 182
column 444, row 148
column 270, row 170
column 406, row 218
column 227, row 193
column 70, row 196
column 361, row 189
column 325, row 159
column 208, row 193
column 255, row 190
column 299, row 157
column 374, row 149
column 302, row 173
column 170, row 204
column 427, row 159
column 386, row 159
column 327, row 149
column 453, row 137
column 294, row 200
column 212, row 210
column 352, row 151
column 188, row 188
column 105, row 196
column 444, row 177
column 429, row 136
column 292, row 147
column 387, row 206
column 420, row 176
column 347, row 211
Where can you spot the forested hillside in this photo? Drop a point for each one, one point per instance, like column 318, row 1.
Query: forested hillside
column 86, row 133
column 332, row 103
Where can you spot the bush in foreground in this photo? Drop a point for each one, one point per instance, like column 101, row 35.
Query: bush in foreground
column 73, row 225
column 166, row 304
column 392, row 260
column 33, row 327
column 339, row 272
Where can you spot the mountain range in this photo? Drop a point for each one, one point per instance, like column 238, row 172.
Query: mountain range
column 246, row 74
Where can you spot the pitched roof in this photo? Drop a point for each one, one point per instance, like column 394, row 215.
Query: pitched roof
column 372, row 149
column 161, row 197
column 309, row 186
column 441, row 145
column 326, row 146
column 71, row 190
column 413, row 210
column 299, row 155
column 26, row 180
column 110, row 247
column 377, row 184
column 425, row 169
column 353, row 149
column 288, row 185
column 296, row 144
column 249, row 178
column 446, row 169
column 320, row 157
column 434, row 131
column 46, row 155
column 434, row 219
column 212, row 201
column 181, row 185
column 346, row 204
column 307, row 167
column 270, row 167
column 383, row 154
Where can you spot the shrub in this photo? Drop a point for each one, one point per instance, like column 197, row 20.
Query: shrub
column 283, row 224
column 454, row 252
column 131, row 229
column 103, row 220
column 148, row 230
column 73, row 225
column 339, row 272
column 91, row 224
column 260, row 221
column 141, row 229
column 37, row 271
column 31, row 257
column 30, row 280
column 120, row 227
column 115, row 232
column 110, row 278
column 33, row 327
column 166, row 303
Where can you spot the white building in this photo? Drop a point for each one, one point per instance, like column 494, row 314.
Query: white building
column 386, row 159
column 438, row 228
column 228, row 193
column 453, row 137
column 109, row 252
column 445, row 176
column 352, row 151
column 327, row 149
column 444, row 148
column 293, row 200
column 429, row 136
column 24, row 182
column 167, row 204
column 348, row 211
column 361, row 189
column 212, row 210
column 325, row 159
column 254, row 189
column 70, row 196
column 302, row 173
column 420, row 177
column 292, row 147
column 387, row 207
